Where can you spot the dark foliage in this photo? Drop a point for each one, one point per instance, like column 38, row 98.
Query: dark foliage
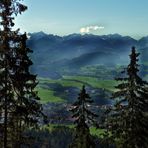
column 130, row 114
column 83, row 119
column 59, row 137
column 19, row 106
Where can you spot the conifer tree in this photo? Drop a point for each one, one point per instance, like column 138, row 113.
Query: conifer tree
column 19, row 106
column 27, row 108
column 129, row 123
column 83, row 119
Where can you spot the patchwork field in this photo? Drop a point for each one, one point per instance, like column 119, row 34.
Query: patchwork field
column 47, row 93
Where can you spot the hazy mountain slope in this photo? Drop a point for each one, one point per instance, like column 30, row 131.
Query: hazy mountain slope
column 75, row 50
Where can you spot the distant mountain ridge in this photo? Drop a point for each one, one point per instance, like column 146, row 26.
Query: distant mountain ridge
column 75, row 50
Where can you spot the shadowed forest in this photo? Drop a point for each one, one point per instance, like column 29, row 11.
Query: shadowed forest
column 75, row 91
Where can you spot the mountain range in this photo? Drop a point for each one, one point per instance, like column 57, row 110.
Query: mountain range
column 52, row 53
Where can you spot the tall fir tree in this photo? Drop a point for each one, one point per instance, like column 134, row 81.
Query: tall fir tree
column 83, row 119
column 19, row 106
column 130, row 115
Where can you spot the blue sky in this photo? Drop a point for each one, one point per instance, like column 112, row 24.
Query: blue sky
column 62, row 17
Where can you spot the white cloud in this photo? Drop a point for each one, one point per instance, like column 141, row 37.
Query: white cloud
column 90, row 28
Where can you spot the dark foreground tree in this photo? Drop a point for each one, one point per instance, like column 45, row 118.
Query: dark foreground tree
column 19, row 106
column 130, row 115
column 83, row 119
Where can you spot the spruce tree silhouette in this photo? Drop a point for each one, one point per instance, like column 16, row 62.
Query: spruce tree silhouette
column 129, row 123
column 19, row 104
column 83, row 119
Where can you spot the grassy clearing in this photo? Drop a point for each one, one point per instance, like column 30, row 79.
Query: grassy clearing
column 63, row 82
column 47, row 95
column 96, row 132
column 78, row 81
column 94, row 82
column 93, row 130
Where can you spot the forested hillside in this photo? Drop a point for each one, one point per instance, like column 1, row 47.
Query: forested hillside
column 72, row 91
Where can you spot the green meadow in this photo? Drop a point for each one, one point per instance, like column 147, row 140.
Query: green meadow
column 48, row 95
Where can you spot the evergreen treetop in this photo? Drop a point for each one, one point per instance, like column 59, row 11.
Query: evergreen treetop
column 19, row 103
column 130, row 119
column 83, row 119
